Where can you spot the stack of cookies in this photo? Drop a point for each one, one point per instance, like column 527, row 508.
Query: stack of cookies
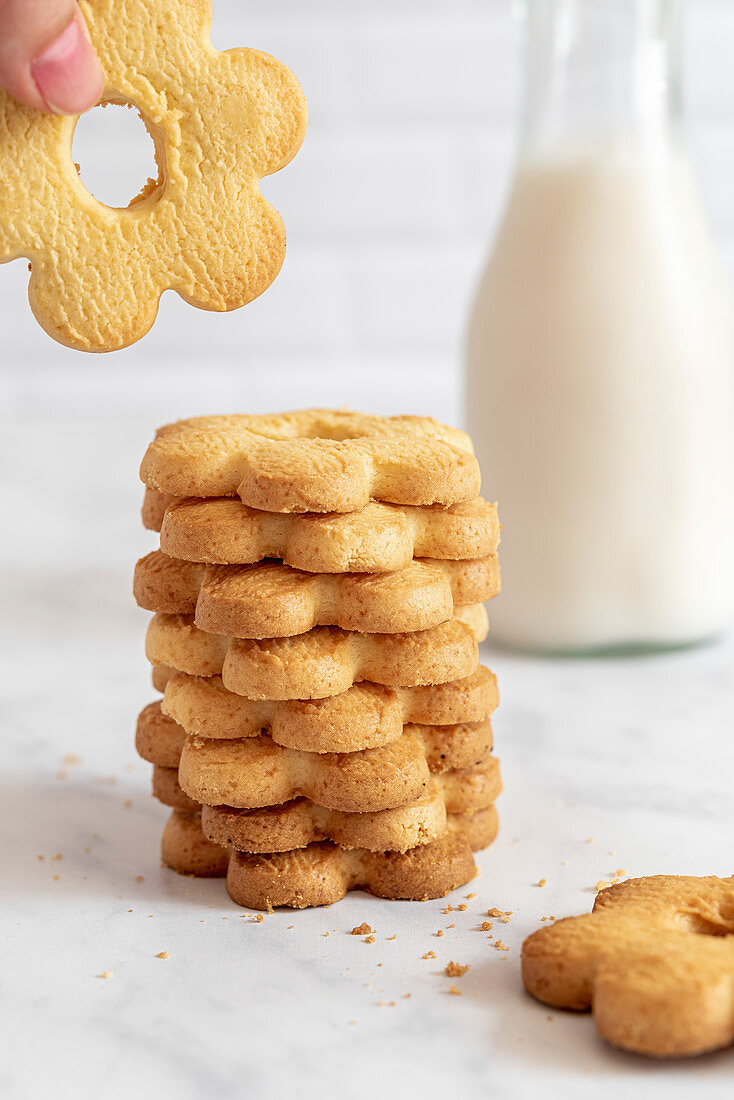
column 325, row 723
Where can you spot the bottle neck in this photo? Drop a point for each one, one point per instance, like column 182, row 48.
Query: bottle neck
column 600, row 73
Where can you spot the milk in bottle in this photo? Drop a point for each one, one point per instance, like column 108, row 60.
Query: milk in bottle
column 600, row 387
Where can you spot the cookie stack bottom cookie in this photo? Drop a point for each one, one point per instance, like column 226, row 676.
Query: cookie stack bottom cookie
column 325, row 725
column 300, row 852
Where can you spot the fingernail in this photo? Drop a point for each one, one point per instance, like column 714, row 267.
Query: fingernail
column 67, row 73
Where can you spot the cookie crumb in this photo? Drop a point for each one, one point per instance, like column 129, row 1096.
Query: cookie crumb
column 620, row 872
column 470, row 896
column 498, row 945
column 439, row 933
column 454, row 991
column 429, row 955
column 57, row 877
column 486, row 926
column 369, row 939
column 542, row 882
column 456, row 970
column 40, row 857
column 106, row 974
column 462, row 908
column 590, row 840
column 57, row 856
column 602, row 884
column 127, row 803
column 500, row 914
column 361, row 929
column 139, row 878
column 259, row 918
column 163, row 955
column 393, row 937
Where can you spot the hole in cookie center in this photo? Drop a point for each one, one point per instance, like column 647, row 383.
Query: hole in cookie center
column 115, row 155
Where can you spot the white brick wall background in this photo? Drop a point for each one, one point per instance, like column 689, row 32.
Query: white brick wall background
column 389, row 207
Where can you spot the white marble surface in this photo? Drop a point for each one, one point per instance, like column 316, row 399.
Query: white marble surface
column 635, row 753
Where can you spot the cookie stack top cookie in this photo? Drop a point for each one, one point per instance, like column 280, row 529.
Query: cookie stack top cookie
column 318, row 604
column 315, row 460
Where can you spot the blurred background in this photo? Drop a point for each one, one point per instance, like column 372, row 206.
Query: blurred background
column 390, row 208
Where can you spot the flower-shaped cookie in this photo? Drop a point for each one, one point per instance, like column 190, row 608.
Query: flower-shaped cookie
column 219, row 121
column 313, row 460
column 655, row 961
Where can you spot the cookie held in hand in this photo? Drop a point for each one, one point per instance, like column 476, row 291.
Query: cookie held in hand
column 219, row 123
column 654, row 961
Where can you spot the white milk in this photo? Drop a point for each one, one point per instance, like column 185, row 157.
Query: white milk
column 601, row 402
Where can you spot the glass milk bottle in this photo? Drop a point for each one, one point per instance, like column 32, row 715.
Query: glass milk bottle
column 600, row 389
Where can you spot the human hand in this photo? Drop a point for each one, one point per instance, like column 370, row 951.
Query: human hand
column 46, row 58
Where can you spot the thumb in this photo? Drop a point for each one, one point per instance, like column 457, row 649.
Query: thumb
column 46, row 58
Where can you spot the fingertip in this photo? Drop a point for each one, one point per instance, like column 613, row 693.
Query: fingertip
column 67, row 73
